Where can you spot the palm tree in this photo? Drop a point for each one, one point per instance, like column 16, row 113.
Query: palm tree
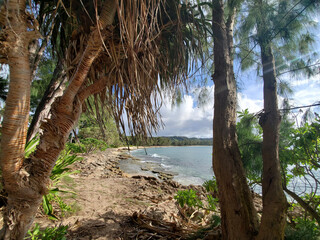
column 123, row 57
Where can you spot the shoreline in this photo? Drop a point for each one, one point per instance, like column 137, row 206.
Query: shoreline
column 108, row 199
column 132, row 165
column 170, row 163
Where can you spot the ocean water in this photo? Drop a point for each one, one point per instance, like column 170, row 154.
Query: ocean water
column 193, row 164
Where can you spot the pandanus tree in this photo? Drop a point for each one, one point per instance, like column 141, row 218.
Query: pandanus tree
column 122, row 52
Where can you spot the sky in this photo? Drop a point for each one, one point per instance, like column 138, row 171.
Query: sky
column 190, row 120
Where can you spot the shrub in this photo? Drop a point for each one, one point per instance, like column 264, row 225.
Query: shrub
column 303, row 230
column 211, row 186
column 189, row 198
column 87, row 145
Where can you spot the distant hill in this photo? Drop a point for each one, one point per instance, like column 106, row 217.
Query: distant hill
column 175, row 141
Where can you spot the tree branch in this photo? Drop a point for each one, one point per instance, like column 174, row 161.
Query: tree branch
column 303, row 204
column 96, row 87
column 91, row 52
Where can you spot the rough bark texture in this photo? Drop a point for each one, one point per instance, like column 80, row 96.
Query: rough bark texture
column 274, row 201
column 14, row 127
column 54, row 90
column 239, row 219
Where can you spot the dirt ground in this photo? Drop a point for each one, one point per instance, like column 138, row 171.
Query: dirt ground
column 107, row 199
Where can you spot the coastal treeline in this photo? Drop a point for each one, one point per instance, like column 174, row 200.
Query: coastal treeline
column 170, row 141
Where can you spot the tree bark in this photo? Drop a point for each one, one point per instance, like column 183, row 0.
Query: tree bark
column 14, row 128
column 274, row 201
column 238, row 215
column 54, row 90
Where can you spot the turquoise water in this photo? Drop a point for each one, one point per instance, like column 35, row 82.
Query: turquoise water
column 193, row 163
column 194, row 166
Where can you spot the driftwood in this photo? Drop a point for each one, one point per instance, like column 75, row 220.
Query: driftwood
column 151, row 228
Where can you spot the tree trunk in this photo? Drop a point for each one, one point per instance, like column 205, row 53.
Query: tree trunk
column 274, row 201
column 238, row 215
column 15, row 123
column 54, row 90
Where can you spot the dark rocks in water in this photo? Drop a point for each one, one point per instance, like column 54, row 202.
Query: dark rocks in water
column 171, row 173
column 157, row 170
column 164, row 176
column 124, row 156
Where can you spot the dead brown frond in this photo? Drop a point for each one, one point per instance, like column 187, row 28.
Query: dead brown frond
column 150, row 48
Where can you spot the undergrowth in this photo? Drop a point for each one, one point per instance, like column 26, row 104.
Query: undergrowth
column 56, row 233
column 304, row 229
column 87, row 145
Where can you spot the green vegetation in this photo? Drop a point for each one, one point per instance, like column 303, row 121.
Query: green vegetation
column 143, row 48
column 97, row 126
column 303, row 229
column 190, row 198
column 57, row 233
column 250, row 143
column 87, row 145
column 171, row 141
column 299, row 151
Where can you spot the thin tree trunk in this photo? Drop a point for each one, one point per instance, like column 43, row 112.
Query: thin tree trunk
column 238, row 215
column 38, row 53
column 274, row 201
column 15, row 123
column 54, row 90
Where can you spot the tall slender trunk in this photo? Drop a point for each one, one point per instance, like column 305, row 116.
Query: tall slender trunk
column 54, row 90
column 238, row 215
column 26, row 180
column 274, row 201
column 15, row 123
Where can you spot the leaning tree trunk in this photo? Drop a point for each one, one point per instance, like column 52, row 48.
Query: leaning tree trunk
column 239, row 219
column 26, row 180
column 274, row 201
column 54, row 90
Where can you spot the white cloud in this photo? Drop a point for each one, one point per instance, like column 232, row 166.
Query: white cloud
column 189, row 120
column 186, row 119
column 307, row 93
column 253, row 105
